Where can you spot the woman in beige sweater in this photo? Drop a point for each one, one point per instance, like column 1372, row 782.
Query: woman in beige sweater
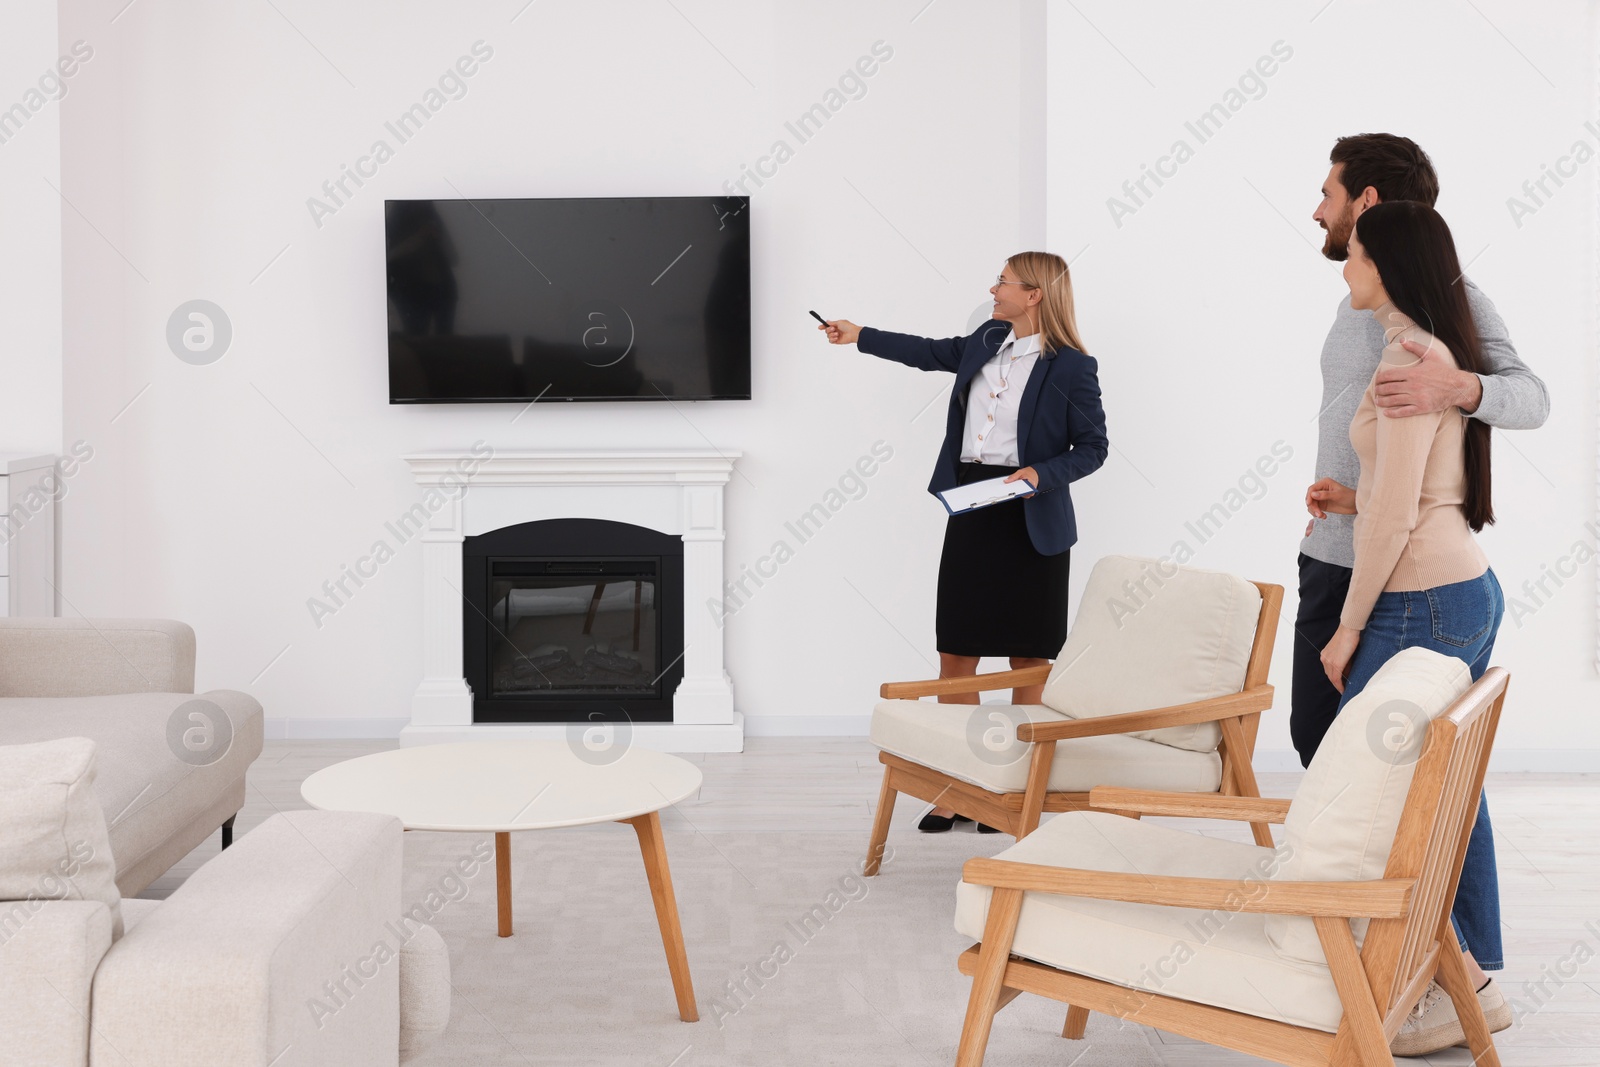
column 1424, row 488
column 1420, row 577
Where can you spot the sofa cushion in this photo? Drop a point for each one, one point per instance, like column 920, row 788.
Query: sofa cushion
column 285, row 941
column 90, row 657
column 1342, row 821
column 424, row 988
column 149, row 793
column 47, row 967
column 977, row 743
column 1217, row 957
column 134, row 909
column 1151, row 634
column 54, row 829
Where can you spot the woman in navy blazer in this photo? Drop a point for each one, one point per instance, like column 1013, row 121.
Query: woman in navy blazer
column 1026, row 405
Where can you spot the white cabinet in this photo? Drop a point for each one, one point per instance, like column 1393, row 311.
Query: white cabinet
column 29, row 486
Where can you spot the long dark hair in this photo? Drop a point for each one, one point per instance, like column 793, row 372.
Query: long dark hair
column 1411, row 246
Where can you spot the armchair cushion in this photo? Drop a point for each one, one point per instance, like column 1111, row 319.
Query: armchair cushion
column 1342, row 822
column 1222, row 958
column 54, row 829
column 1152, row 634
column 977, row 743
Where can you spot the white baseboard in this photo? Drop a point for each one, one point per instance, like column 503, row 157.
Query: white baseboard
column 1276, row 760
column 807, row 725
column 1501, row 760
column 661, row 737
column 1546, row 760
column 332, row 729
column 1504, row 761
column 654, row 736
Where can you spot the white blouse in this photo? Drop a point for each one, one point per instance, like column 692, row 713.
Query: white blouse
column 994, row 399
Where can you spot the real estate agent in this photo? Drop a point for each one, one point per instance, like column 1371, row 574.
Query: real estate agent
column 1026, row 404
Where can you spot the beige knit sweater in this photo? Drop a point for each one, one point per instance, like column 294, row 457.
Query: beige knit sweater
column 1410, row 530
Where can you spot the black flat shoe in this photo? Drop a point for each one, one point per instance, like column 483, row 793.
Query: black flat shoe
column 985, row 828
column 938, row 824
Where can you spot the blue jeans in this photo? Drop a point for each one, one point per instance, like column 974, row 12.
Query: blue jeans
column 1459, row 620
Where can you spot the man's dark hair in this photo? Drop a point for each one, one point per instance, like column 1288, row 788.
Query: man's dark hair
column 1395, row 166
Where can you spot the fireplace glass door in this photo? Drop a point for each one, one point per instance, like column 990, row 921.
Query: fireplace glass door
column 578, row 628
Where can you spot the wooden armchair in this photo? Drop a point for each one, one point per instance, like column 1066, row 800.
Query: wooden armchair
column 1256, row 993
column 1172, row 644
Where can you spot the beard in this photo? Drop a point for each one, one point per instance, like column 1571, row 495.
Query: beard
column 1336, row 246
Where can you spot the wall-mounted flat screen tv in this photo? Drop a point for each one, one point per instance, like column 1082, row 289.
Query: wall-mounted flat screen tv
column 617, row 298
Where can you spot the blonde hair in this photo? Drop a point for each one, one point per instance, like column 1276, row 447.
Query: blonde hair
column 1047, row 272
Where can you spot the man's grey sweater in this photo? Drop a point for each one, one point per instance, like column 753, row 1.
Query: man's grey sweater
column 1514, row 398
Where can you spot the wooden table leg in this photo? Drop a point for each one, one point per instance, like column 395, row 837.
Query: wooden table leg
column 502, row 880
column 654, row 849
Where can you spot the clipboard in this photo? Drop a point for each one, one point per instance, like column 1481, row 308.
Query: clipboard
column 990, row 491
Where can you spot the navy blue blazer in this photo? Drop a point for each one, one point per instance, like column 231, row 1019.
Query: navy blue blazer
column 1061, row 428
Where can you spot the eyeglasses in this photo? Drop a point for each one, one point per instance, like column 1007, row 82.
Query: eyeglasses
column 1001, row 280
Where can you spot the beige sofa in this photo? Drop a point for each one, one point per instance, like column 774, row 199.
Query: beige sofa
column 290, row 948
column 171, row 762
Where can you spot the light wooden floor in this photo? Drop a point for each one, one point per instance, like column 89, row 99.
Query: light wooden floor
column 1545, row 829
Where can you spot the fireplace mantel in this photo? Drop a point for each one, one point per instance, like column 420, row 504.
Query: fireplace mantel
column 579, row 468
column 675, row 492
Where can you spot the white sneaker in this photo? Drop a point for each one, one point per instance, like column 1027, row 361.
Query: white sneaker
column 1495, row 1009
column 1433, row 1024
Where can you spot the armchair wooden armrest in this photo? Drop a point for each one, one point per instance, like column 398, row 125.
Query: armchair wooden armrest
column 1258, row 698
column 1189, row 805
column 972, row 683
column 1378, row 899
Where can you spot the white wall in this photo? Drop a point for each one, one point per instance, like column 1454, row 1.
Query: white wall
column 226, row 494
column 30, row 229
column 1207, row 307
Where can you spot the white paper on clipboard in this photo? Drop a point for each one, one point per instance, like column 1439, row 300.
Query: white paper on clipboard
column 976, row 495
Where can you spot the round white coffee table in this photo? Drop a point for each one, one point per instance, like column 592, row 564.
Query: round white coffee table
column 501, row 787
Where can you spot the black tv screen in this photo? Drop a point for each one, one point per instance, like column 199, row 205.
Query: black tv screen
column 620, row 298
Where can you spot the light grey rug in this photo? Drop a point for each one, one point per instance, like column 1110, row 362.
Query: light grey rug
column 869, row 978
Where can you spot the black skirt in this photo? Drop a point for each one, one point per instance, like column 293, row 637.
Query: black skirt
column 997, row 595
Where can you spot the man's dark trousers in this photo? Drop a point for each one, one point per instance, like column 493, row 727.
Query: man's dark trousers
column 1314, row 701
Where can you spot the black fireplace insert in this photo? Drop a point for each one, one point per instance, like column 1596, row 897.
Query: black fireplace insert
column 573, row 620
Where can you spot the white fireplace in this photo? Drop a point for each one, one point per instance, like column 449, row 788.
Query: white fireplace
column 673, row 492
